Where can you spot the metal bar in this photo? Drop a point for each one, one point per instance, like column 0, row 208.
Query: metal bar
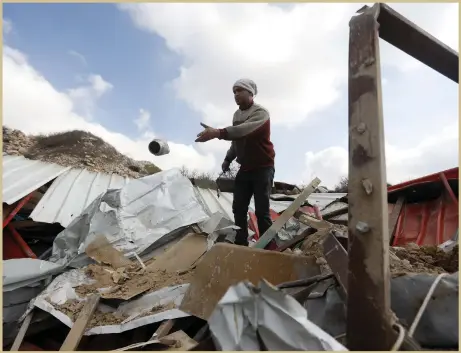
column 369, row 324
column 411, row 39
column 424, row 222
column 393, row 220
column 337, row 259
column 444, row 179
column 305, row 281
column 15, row 210
column 21, row 243
column 398, row 230
column 440, row 223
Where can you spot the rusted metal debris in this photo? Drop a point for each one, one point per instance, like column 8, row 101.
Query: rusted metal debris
column 368, row 277
column 336, row 257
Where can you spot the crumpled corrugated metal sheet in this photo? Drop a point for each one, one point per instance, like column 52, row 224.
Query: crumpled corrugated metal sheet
column 71, row 193
column 75, row 189
column 212, row 203
column 21, row 176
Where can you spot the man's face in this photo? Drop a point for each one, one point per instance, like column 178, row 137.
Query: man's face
column 242, row 96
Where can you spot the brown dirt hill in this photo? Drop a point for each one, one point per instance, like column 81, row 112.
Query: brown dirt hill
column 76, row 149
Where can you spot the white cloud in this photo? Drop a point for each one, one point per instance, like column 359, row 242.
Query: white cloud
column 32, row 105
column 142, row 122
column 327, row 165
column 79, row 56
column 86, row 96
column 297, row 56
column 433, row 154
column 7, row 26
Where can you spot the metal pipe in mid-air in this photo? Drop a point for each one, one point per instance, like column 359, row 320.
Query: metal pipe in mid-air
column 159, row 147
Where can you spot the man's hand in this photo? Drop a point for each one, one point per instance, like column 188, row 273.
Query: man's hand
column 225, row 166
column 208, row 134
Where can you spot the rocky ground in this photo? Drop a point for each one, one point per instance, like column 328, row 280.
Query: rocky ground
column 77, row 149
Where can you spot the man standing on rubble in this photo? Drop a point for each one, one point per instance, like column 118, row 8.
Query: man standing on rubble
column 251, row 145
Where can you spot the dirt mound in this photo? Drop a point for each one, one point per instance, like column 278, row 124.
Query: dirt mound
column 122, row 281
column 423, row 259
column 403, row 260
column 76, row 149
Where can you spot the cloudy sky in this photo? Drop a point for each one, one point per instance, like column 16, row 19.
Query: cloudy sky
column 131, row 72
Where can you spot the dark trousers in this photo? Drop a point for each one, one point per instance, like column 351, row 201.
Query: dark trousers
column 257, row 183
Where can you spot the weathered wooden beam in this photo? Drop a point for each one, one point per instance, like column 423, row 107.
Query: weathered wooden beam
column 286, row 215
column 22, row 332
column 297, row 239
column 313, row 222
column 164, row 329
column 78, row 329
column 368, row 301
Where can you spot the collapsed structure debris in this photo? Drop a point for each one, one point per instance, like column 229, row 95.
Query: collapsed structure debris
column 146, row 263
column 138, row 292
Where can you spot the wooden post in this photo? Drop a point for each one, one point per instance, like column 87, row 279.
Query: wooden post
column 368, row 301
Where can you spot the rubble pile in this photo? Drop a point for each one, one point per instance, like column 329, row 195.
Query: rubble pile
column 76, row 149
column 157, row 271
column 405, row 260
column 118, row 283
column 422, row 259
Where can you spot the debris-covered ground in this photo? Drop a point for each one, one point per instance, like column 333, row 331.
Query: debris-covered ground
column 403, row 260
column 423, row 259
column 180, row 288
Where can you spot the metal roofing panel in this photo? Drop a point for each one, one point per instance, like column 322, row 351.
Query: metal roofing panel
column 21, row 176
column 223, row 204
column 324, row 199
column 71, row 193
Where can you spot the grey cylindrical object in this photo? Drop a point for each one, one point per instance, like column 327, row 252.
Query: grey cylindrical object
column 159, row 147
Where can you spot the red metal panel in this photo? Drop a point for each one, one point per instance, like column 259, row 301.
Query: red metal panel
column 11, row 250
column 450, row 175
column 16, row 209
column 427, row 223
column 14, row 246
column 423, row 225
column 444, row 179
column 253, row 225
column 318, row 215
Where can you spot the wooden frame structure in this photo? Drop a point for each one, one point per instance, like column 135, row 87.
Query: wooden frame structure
column 370, row 319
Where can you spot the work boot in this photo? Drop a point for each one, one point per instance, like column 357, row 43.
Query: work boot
column 241, row 238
